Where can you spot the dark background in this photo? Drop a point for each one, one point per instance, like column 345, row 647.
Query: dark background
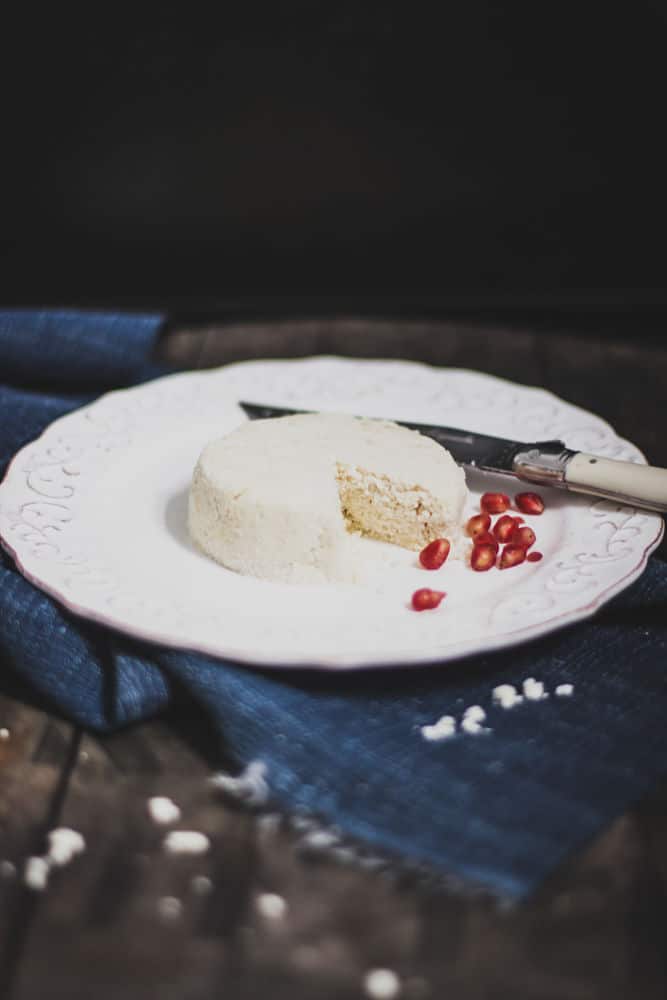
column 378, row 155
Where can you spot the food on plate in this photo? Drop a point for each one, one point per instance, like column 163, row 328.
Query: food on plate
column 529, row 503
column 494, row 503
column 508, row 531
column 282, row 499
column 435, row 554
column 426, row 599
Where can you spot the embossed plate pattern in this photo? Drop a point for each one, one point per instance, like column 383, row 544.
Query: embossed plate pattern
column 94, row 514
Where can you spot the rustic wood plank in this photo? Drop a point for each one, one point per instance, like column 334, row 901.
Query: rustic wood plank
column 100, row 929
column 34, row 759
column 575, row 939
column 461, row 344
column 181, row 348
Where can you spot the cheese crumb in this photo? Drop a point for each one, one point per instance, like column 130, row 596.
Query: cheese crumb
column 507, row 696
column 271, row 906
column 249, row 786
column 564, row 690
column 475, row 712
column 186, row 842
column 440, row 730
column 163, row 810
column 320, row 840
column 471, row 726
column 36, row 875
column 64, row 844
column 201, row 884
column 382, row 984
column 4, row 734
column 534, row 690
column 169, row 908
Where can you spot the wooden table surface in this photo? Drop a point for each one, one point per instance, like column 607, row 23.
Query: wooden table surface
column 597, row 928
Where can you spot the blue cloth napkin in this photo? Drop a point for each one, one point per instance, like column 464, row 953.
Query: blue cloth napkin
column 499, row 811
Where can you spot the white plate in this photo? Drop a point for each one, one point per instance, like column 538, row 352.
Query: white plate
column 94, row 514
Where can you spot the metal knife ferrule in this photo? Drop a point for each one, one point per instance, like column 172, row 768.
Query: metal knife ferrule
column 544, row 462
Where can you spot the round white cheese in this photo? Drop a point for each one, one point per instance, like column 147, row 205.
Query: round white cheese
column 280, row 499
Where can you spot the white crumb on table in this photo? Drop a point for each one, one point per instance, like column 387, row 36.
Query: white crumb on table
column 440, row 730
column 249, row 786
column 64, row 844
column 269, row 823
column 382, row 984
column 186, row 842
column 163, row 810
column 169, row 908
column 4, row 733
column 271, row 905
column 320, row 840
column 475, row 712
column 470, row 725
column 36, row 875
column 534, row 690
column 201, row 885
column 565, row 690
column 507, row 696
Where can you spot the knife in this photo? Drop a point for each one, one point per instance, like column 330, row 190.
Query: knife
column 547, row 463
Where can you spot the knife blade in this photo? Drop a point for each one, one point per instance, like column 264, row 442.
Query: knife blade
column 547, row 463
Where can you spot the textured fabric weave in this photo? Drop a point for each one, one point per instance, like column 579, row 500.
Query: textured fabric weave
column 501, row 810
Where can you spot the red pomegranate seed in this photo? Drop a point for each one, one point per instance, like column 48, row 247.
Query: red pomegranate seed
column 494, row 503
column 524, row 536
column 478, row 524
column 534, row 556
column 425, row 599
column 503, row 528
column 483, row 557
column 486, row 538
column 518, row 520
column 435, row 553
column 511, row 555
column 529, row 503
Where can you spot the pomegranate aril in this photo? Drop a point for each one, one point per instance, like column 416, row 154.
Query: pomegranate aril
column 511, row 555
column 435, row 553
column 483, row 557
column 534, row 556
column 529, row 503
column 486, row 538
column 426, row 599
column 523, row 536
column 503, row 528
column 494, row 503
column 478, row 524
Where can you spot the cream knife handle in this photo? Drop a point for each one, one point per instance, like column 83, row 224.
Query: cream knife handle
column 638, row 485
